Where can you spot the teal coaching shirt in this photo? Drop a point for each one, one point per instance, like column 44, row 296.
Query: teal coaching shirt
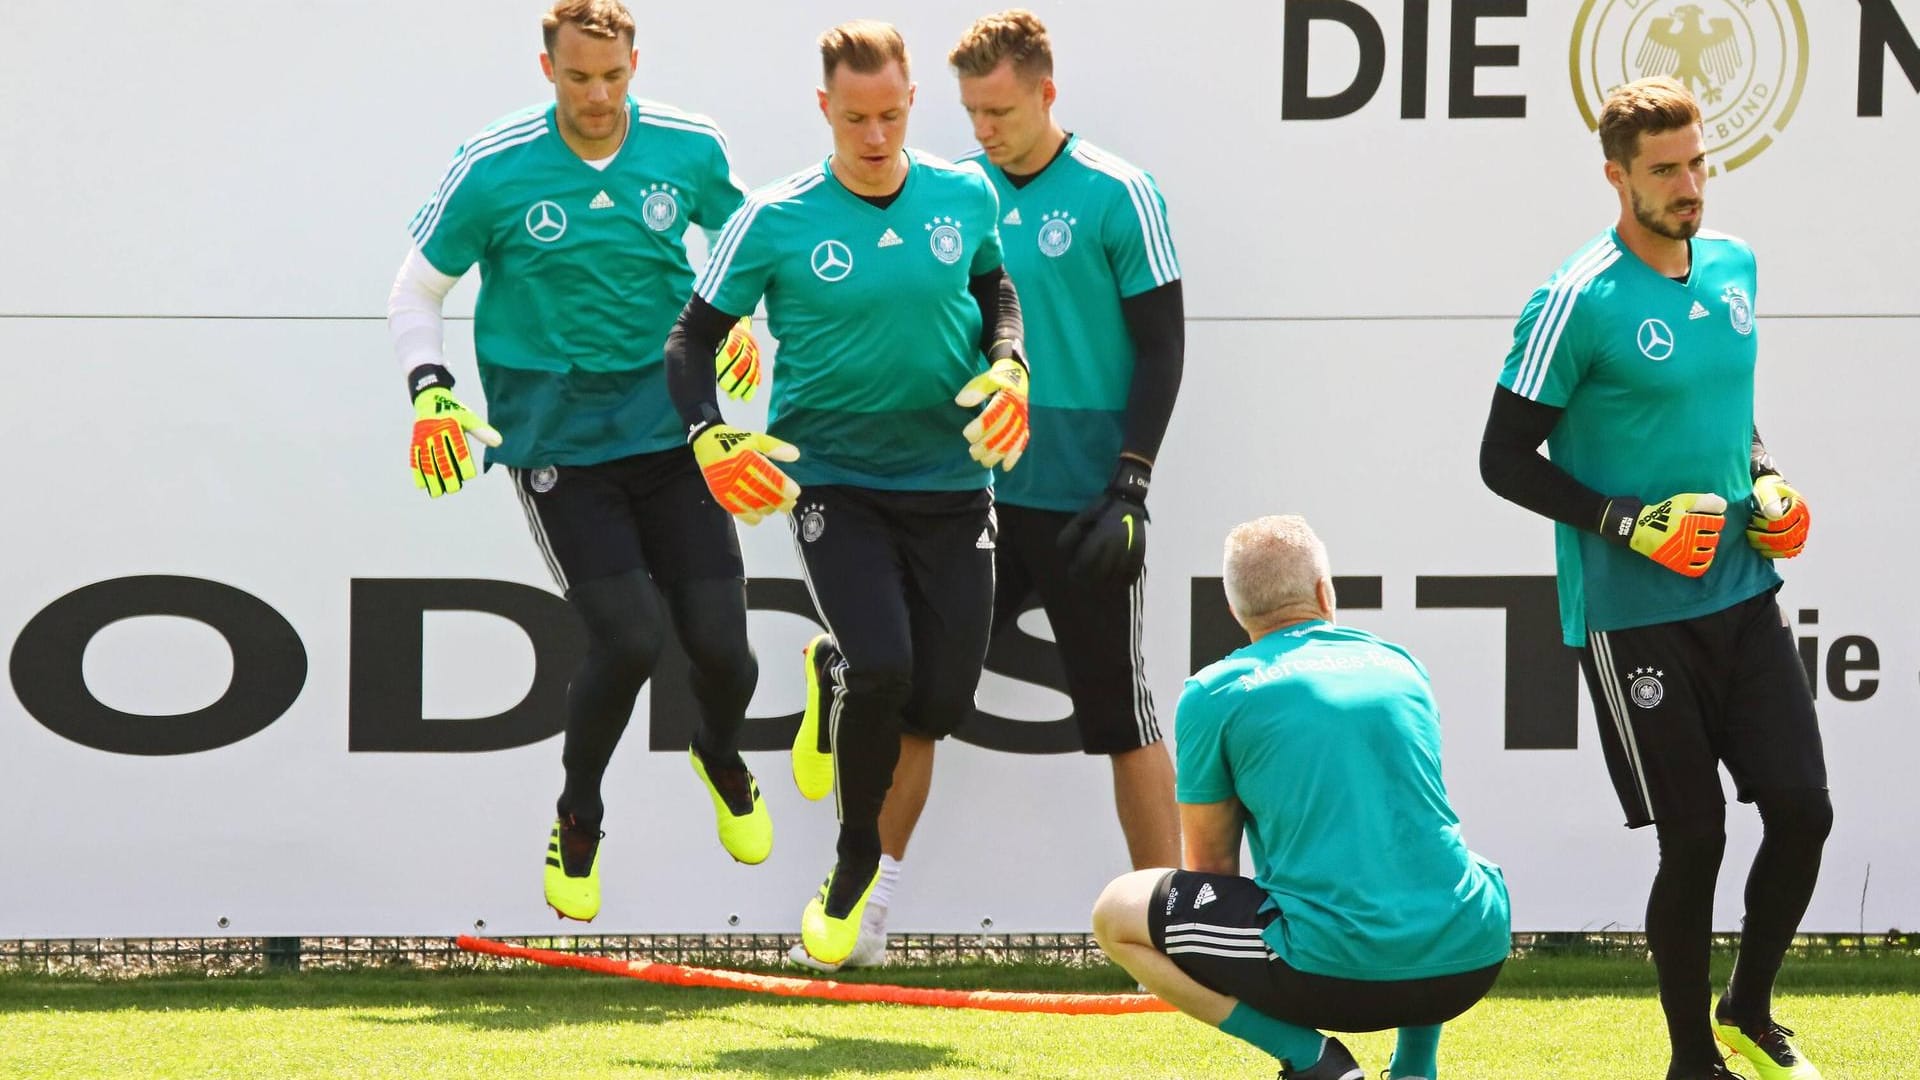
column 1656, row 378
column 1083, row 233
column 582, row 273
column 877, row 329
column 1331, row 740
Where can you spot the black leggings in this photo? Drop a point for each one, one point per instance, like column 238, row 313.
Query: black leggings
column 625, row 627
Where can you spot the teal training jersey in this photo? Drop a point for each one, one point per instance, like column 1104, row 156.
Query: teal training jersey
column 582, row 273
column 1656, row 378
column 1086, row 231
column 877, row 329
column 1330, row 739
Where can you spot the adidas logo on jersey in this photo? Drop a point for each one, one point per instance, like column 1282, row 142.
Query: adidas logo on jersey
column 890, row 238
column 1012, row 218
column 600, row 202
column 1204, row 896
column 1699, row 311
column 985, row 543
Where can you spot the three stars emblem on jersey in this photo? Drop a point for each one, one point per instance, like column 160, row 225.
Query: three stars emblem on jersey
column 943, row 237
column 546, row 222
column 662, row 206
column 1056, row 233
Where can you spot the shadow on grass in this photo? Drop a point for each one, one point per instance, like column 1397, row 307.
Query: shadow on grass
column 806, row 1053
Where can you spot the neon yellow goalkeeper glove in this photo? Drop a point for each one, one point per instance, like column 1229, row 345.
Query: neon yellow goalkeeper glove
column 736, row 367
column 440, row 458
column 999, row 434
column 740, row 471
column 1779, row 524
column 1680, row 532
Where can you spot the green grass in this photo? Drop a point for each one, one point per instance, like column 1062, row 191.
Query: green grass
column 1550, row 1017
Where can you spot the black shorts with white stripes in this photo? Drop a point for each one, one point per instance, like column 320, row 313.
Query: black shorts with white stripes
column 1210, row 924
column 1674, row 700
column 1096, row 628
column 649, row 512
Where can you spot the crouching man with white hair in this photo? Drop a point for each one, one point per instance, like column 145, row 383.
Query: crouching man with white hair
column 1365, row 910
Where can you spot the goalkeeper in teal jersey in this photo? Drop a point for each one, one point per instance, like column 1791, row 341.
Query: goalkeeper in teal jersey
column 575, row 212
column 1086, row 238
column 881, row 270
column 1320, row 746
column 1634, row 363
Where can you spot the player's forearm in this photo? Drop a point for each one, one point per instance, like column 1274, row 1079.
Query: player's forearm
column 1514, row 469
column 414, row 306
column 999, row 305
column 695, row 337
column 1157, row 322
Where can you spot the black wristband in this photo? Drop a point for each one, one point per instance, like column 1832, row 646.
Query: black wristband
column 426, row 377
column 1616, row 521
column 709, row 416
column 1008, row 349
column 1131, row 477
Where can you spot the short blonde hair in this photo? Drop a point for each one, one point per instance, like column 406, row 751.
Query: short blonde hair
column 598, row 18
column 1273, row 564
column 863, row 45
column 1015, row 35
column 1649, row 106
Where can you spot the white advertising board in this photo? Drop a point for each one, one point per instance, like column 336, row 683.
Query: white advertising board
column 196, row 383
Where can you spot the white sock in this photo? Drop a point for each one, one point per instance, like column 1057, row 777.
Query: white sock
column 883, row 889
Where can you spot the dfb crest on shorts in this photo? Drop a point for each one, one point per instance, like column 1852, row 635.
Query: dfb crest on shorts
column 662, row 207
column 813, row 522
column 944, row 239
column 542, row 479
column 1739, row 309
column 1646, row 689
column 1056, row 233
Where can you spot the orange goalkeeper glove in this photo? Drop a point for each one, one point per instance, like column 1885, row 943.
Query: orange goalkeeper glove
column 1778, row 527
column 1680, row 532
column 440, row 457
column 736, row 367
column 740, row 471
column 999, row 434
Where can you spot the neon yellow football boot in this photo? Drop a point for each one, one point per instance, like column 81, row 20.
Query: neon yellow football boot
column 573, row 869
column 746, row 829
column 813, row 770
column 830, row 925
column 1768, row 1050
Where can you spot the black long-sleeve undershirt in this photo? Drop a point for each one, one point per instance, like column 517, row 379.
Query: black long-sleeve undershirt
column 1157, row 322
column 999, row 309
column 698, row 332
column 1514, row 469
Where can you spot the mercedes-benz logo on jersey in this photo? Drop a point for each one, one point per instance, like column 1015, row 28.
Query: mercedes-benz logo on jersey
column 1056, row 233
column 661, row 209
column 1739, row 309
column 1656, row 340
column 546, row 222
column 943, row 237
column 1744, row 60
column 1646, row 690
column 831, row 261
